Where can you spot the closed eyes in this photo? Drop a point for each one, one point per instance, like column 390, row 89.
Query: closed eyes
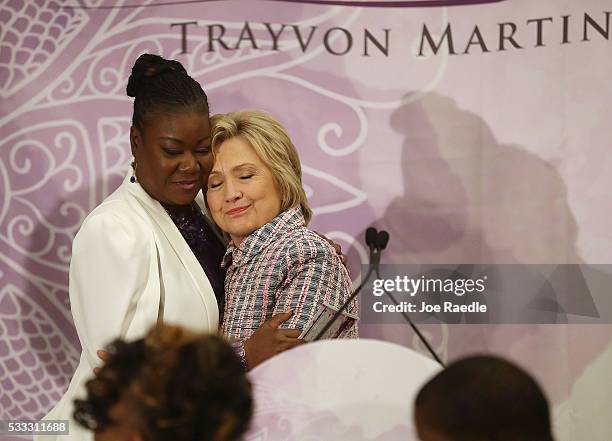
column 198, row 151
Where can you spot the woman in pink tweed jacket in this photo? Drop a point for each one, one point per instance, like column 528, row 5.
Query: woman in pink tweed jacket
column 274, row 262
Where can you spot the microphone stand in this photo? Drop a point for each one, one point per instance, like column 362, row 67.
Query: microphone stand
column 412, row 325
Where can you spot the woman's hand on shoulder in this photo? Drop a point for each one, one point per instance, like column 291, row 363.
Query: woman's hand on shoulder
column 269, row 340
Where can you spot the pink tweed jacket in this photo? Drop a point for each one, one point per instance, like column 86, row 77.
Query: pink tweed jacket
column 281, row 266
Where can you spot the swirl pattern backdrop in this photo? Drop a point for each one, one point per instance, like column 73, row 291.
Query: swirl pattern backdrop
column 471, row 132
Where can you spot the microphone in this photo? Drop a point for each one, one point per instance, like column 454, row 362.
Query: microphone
column 379, row 241
column 371, row 236
column 382, row 240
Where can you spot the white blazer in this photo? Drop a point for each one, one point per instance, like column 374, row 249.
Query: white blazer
column 130, row 265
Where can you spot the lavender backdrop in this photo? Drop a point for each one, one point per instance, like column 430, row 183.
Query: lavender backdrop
column 486, row 156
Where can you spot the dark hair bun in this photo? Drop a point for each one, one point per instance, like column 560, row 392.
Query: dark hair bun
column 148, row 66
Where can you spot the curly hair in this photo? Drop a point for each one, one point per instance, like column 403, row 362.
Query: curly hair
column 179, row 386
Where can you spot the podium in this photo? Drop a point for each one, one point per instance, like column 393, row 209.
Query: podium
column 338, row 390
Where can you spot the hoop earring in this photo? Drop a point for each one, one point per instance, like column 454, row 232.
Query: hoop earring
column 133, row 177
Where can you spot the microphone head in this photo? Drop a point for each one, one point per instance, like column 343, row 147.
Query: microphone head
column 371, row 236
column 382, row 240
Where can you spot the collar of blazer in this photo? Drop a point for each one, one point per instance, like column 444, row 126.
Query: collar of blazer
column 164, row 227
column 213, row 226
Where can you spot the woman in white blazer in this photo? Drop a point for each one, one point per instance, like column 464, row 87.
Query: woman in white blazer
column 147, row 253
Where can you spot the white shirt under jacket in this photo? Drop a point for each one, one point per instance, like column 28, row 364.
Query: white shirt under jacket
column 129, row 258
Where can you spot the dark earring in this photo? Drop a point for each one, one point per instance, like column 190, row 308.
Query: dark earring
column 133, row 177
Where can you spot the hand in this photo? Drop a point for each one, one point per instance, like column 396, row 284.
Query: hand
column 268, row 340
column 102, row 355
column 337, row 248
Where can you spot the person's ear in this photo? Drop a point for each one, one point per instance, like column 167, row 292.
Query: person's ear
column 135, row 139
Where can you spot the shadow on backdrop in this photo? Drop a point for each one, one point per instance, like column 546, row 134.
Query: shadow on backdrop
column 468, row 198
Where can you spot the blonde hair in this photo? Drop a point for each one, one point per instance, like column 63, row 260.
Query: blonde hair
column 272, row 144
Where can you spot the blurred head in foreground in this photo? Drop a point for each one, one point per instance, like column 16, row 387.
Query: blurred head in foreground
column 482, row 398
column 170, row 385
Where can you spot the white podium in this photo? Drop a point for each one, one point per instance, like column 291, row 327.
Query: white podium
column 337, row 390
